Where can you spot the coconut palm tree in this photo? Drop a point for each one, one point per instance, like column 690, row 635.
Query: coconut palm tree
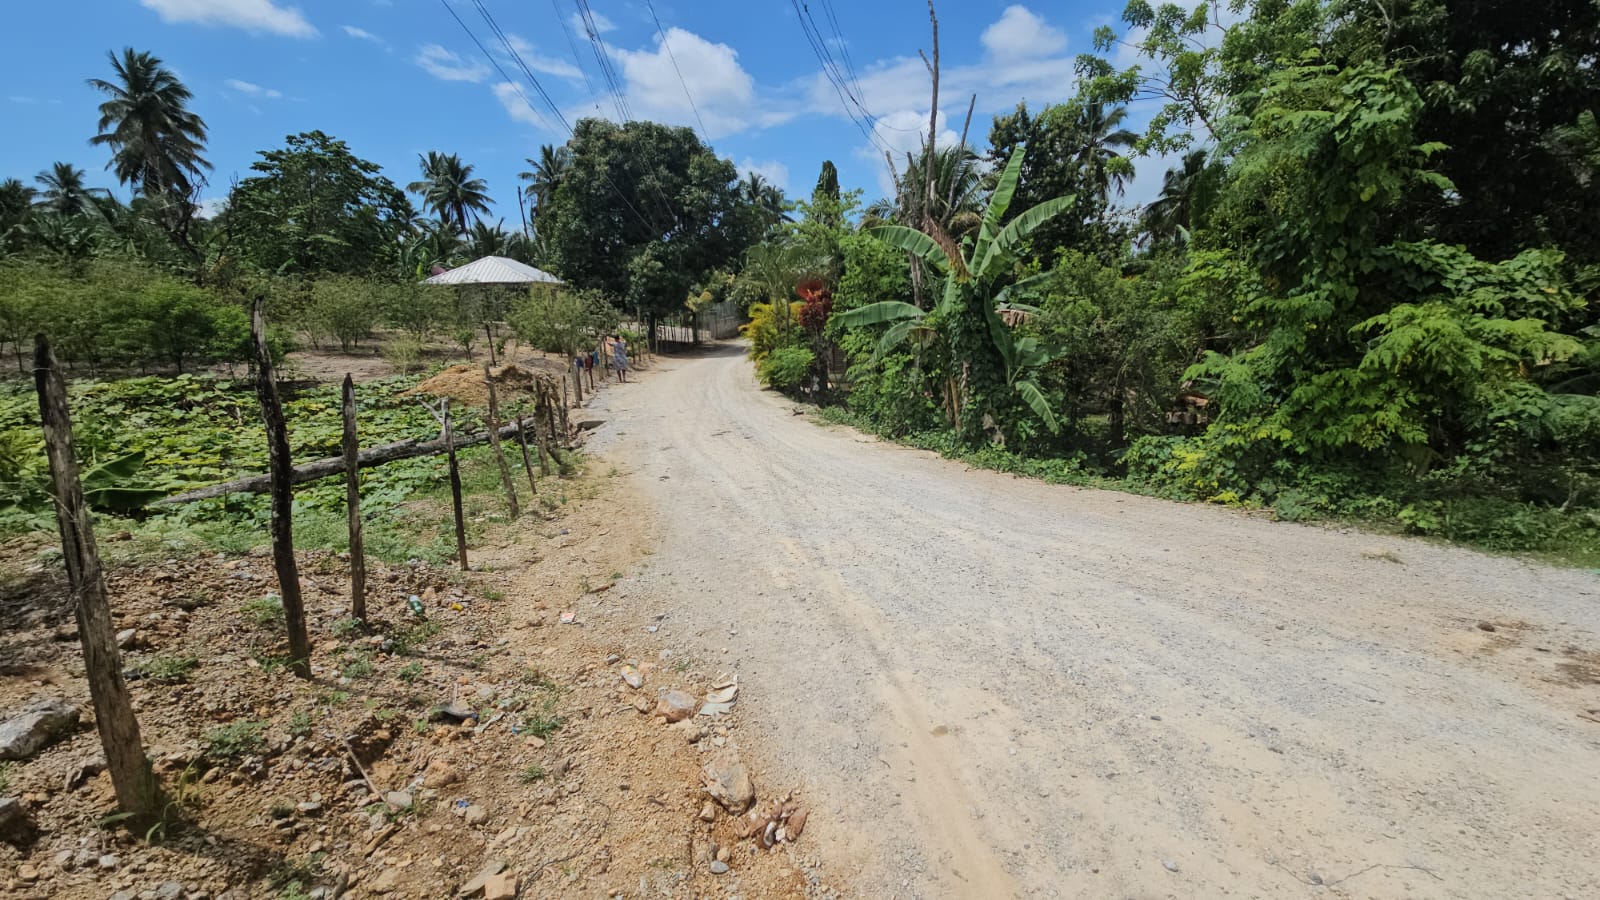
column 958, row 193
column 767, row 198
column 1101, row 132
column 448, row 188
column 1187, row 193
column 546, row 174
column 155, row 140
column 16, row 201
column 64, row 192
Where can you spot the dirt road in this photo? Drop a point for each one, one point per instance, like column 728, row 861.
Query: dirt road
column 995, row 687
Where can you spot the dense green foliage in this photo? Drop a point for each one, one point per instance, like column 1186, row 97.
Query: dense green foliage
column 315, row 207
column 643, row 212
column 1365, row 290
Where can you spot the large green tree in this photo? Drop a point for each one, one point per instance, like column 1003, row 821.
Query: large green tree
column 645, row 212
column 315, row 207
column 1501, row 84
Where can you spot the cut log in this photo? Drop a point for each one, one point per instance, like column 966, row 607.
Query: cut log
column 334, row 465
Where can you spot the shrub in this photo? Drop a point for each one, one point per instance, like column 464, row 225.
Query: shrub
column 787, row 368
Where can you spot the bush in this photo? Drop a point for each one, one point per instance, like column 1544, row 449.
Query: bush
column 342, row 310
column 405, row 354
column 787, row 368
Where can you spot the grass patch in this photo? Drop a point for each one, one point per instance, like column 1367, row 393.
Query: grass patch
column 410, row 672
column 300, row 723
column 356, row 665
column 236, row 740
column 170, row 668
column 264, row 611
column 531, row 774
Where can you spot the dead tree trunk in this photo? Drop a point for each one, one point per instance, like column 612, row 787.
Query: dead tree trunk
column 138, row 792
column 494, row 445
column 282, row 467
column 352, row 482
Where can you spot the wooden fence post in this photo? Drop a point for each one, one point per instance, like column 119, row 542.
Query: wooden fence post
column 282, row 467
column 494, row 444
column 527, row 461
column 455, row 484
column 138, row 792
column 352, row 482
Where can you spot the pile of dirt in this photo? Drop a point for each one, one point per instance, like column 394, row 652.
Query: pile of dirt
column 464, row 384
column 480, row 745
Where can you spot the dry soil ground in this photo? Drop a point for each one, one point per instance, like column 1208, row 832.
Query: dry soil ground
column 994, row 687
column 561, row 772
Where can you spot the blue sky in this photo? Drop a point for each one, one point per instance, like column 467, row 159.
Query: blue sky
column 395, row 78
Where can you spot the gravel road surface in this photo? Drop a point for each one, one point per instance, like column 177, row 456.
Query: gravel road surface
column 995, row 687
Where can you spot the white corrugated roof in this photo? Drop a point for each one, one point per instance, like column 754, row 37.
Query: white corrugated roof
column 495, row 270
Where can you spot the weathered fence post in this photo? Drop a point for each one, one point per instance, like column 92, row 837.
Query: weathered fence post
column 282, row 468
column 494, row 444
column 455, row 483
column 352, row 482
column 527, row 461
column 138, row 792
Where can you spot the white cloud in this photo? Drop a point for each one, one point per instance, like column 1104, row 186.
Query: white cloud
column 516, row 101
column 776, row 173
column 601, row 23
column 361, row 34
column 544, row 65
column 1024, row 59
column 252, row 90
column 251, row 15
column 447, row 66
column 1021, row 34
column 723, row 92
column 212, row 207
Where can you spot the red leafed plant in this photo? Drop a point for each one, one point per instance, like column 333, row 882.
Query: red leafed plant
column 818, row 305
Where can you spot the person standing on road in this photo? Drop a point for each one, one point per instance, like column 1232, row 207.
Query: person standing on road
column 619, row 357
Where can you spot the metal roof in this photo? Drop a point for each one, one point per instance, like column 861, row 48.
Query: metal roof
column 494, row 270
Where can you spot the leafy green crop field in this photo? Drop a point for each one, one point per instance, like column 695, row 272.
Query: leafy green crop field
column 193, row 430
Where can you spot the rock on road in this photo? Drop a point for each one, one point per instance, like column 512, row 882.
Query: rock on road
column 989, row 686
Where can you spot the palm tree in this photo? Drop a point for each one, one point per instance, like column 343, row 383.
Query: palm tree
column 765, row 197
column 958, row 193
column 488, row 240
column 448, row 188
column 546, row 174
column 16, row 201
column 1101, row 131
column 156, row 142
column 1187, row 193
column 64, row 191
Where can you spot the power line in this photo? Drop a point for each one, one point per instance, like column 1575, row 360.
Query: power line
column 577, row 57
column 496, row 63
column 808, row 27
column 603, row 59
column 672, row 56
column 516, row 56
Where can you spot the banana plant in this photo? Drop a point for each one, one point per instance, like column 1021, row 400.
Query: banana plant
column 979, row 268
